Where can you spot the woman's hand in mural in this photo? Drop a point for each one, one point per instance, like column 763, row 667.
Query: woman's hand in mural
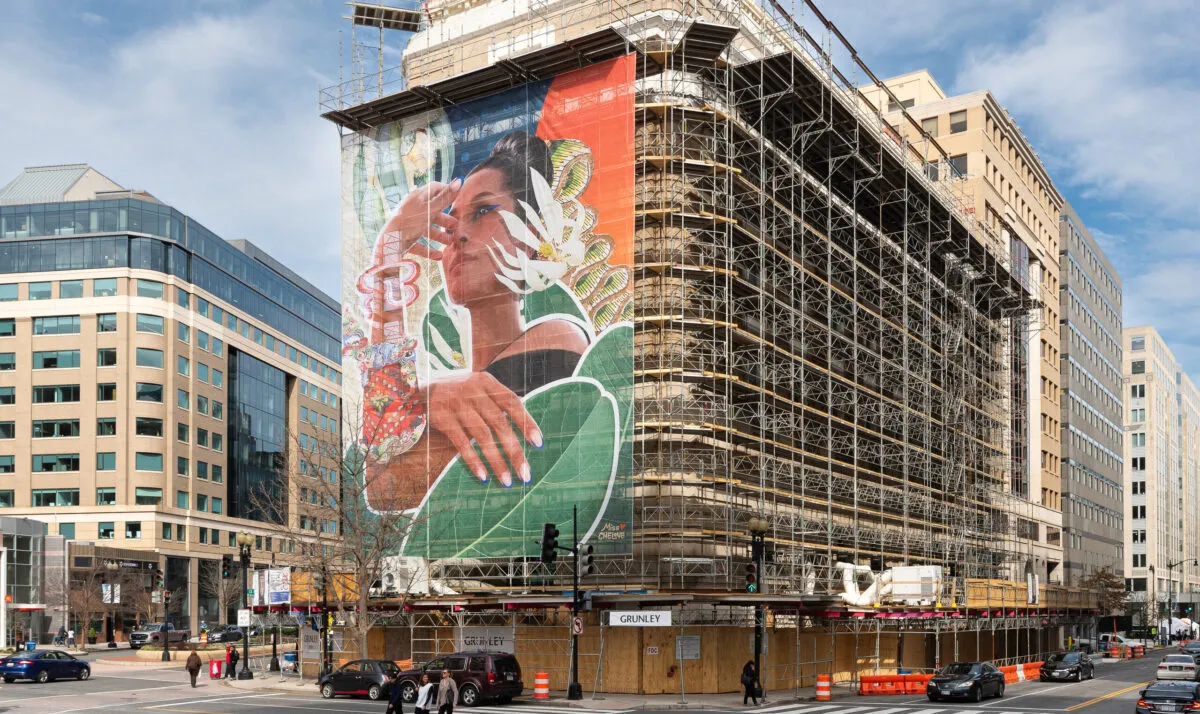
column 419, row 215
column 477, row 408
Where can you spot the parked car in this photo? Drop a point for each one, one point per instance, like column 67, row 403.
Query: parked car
column 42, row 666
column 153, row 635
column 1067, row 665
column 971, row 680
column 1192, row 647
column 481, row 676
column 225, row 633
column 1168, row 697
column 1177, row 666
column 370, row 678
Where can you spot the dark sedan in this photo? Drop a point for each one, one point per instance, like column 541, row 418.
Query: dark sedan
column 42, row 666
column 229, row 633
column 969, row 680
column 1168, row 697
column 370, row 678
column 1062, row 666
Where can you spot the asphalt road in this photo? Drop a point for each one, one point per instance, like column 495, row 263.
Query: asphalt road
column 115, row 689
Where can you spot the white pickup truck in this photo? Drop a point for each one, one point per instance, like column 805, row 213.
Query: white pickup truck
column 1103, row 643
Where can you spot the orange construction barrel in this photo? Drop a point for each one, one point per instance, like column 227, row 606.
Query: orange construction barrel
column 823, row 682
column 541, row 686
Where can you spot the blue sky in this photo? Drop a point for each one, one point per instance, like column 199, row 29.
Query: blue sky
column 211, row 105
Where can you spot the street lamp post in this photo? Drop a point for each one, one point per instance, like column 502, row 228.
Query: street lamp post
column 244, row 540
column 1171, row 592
column 758, row 535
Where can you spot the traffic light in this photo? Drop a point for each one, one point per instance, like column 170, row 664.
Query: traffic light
column 549, row 543
column 158, row 579
column 751, row 578
column 586, row 567
column 226, row 566
column 166, row 597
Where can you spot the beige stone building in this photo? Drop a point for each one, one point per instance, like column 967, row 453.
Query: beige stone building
column 153, row 377
column 972, row 143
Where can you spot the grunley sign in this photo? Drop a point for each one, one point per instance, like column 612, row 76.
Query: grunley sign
column 639, row 618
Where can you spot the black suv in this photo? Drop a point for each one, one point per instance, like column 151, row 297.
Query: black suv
column 481, row 676
column 370, row 678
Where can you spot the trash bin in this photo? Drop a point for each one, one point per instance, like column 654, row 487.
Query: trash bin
column 214, row 668
column 30, row 646
column 290, row 660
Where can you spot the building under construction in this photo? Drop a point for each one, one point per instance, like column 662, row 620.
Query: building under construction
column 822, row 340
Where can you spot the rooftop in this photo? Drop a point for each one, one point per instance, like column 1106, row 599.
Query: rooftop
column 56, row 184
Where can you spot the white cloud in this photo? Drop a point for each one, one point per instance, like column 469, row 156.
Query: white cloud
column 92, row 18
column 214, row 113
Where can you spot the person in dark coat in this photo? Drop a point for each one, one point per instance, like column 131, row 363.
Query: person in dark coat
column 750, row 683
column 193, row 666
column 396, row 700
column 231, row 660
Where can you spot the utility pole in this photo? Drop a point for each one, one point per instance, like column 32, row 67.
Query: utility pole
column 4, row 596
column 754, row 584
column 575, row 689
column 244, row 540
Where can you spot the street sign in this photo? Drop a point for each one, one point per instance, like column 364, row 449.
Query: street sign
column 652, row 651
column 250, row 593
column 243, row 618
column 687, row 647
column 577, row 626
column 639, row 618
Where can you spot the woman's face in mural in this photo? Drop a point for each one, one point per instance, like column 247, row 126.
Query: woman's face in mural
column 470, row 272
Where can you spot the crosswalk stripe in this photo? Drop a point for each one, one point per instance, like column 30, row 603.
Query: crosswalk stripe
column 932, row 711
column 890, row 711
column 853, row 709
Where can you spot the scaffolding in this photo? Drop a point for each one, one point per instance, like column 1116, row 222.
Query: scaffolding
column 825, row 337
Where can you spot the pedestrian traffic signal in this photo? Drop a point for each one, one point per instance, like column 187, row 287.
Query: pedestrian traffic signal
column 226, row 566
column 166, row 597
column 158, row 579
column 549, row 543
column 751, row 578
column 586, row 567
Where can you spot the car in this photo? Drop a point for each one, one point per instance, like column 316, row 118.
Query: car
column 42, row 666
column 1190, row 648
column 1177, row 666
column 225, row 633
column 481, row 676
column 1168, row 697
column 1067, row 665
column 370, row 678
column 970, row 680
column 152, row 634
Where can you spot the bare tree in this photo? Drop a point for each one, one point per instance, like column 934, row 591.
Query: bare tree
column 85, row 596
column 1110, row 592
column 228, row 591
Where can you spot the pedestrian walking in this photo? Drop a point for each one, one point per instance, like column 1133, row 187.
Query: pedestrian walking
column 425, row 696
column 396, row 700
column 447, row 693
column 750, row 683
column 70, row 638
column 193, row 666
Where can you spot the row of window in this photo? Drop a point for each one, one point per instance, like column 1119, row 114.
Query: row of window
column 70, row 289
column 204, row 470
column 312, row 391
column 313, row 470
column 107, row 392
column 320, row 421
column 69, row 359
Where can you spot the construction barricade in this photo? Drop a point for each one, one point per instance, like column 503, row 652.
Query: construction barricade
column 1139, row 651
column 541, row 686
column 823, row 683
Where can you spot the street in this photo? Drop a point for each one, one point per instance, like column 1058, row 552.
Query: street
column 111, row 687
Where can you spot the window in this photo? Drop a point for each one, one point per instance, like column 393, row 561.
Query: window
column 149, row 392
column 182, row 399
column 1139, row 488
column 201, row 306
column 217, row 314
column 182, row 297
column 181, row 466
column 106, row 530
column 217, row 442
column 204, row 536
column 8, row 292
column 216, row 505
column 55, row 428
column 958, row 122
column 149, row 323
column 147, row 357
column 1138, row 438
column 1137, row 415
column 56, row 359
column 50, row 497
column 180, row 529
column 144, row 496
column 218, row 410
column 182, row 432
column 303, row 413
column 202, row 404
column 8, row 395
column 1137, row 344
column 1138, row 463
column 1138, row 366
column 45, row 463
column 201, row 371
column 106, row 461
column 106, row 426
column 217, row 346
column 958, row 166
column 202, row 470
column 104, row 287
column 1138, row 391
column 202, row 437
column 181, row 499
column 8, row 327
column 166, row 531
column 903, row 104
column 106, row 497
column 183, row 332
column 217, row 378
column 8, row 464
column 218, row 473
column 150, row 289
column 106, row 357
column 106, row 322
column 202, row 339
column 146, row 426
column 66, row 530
column 8, row 429
column 58, row 325
column 1139, row 511
column 144, row 461
column 39, row 291
column 106, row 392
column 201, row 502
column 8, row 361
column 182, row 365
column 133, row 529
column 930, row 126
column 68, row 289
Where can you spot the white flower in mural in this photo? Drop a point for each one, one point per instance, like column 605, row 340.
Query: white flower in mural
column 554, row 238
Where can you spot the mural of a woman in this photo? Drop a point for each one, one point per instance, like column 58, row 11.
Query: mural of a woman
column 497, row 234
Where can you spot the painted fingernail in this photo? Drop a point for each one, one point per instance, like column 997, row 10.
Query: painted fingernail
column 506, row 479
column 481, row 474
column 525, row 474
column 536, row 438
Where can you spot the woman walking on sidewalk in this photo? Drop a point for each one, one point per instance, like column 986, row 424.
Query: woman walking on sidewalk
column 447, row 694
column 425, row 695
column 750, row 682
column 193, row 666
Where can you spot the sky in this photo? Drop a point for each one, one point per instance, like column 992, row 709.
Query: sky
column 211, row 105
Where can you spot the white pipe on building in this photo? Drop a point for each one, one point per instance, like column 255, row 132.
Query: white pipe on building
column 3, row 596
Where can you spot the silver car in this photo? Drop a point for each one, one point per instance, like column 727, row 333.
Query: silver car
column 1178, row 666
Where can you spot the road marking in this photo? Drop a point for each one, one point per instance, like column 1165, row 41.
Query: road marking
column 1110, row 695
column 202, row 701
column 1039, row 690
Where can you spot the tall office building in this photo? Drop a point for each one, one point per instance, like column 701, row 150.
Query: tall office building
column 1092, row 438
column 152, row 375
column 973, row 146
column 1162, row 427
